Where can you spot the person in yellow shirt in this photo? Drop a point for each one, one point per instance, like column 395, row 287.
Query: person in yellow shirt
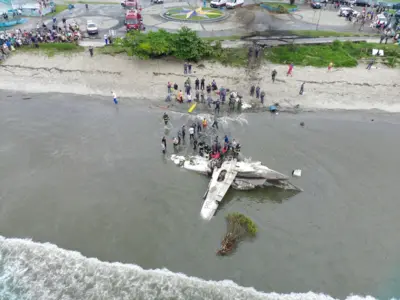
column 204, row 123
column 330, row 66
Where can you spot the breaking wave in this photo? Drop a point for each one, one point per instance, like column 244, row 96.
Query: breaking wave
column 32, row 271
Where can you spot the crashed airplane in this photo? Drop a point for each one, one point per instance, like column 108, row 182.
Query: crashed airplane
column 242, row 175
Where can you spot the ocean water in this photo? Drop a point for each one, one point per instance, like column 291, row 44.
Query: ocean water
column 32, row 270
column 82, row 174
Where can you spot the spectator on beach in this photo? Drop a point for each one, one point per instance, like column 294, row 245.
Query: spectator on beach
column 371, row 62
column 274, row 72
column 290, row 70
column 330, row 66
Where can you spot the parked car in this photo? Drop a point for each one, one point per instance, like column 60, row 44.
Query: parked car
column 91, row 28
column 218, row 3
column 234, row 3
column 344, row 11
column 315, row 4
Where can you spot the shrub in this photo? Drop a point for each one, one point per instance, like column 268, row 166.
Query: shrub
column 185, row 44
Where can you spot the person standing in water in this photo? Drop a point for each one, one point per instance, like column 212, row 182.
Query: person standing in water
column 183, row 132
column 165, row 118
column 115, row 97
column 191, row 133
column 163, row 145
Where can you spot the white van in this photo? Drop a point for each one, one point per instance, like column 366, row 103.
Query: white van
column 218, row 3
column 234, row 3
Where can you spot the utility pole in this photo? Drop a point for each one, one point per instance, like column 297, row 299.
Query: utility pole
column 319, row 17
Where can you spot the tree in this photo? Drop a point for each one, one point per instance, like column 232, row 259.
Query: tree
column 188, row 46
column 239, row 227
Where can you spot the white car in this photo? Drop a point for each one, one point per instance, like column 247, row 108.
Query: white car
column 91, row 28
column 344, row 11
column 218, row 3
column 234, row 3
column 381, row 19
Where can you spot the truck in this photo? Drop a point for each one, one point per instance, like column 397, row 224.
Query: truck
column 130, row 4
column 133, row 20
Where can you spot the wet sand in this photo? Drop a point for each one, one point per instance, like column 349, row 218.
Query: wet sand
column 133, row 79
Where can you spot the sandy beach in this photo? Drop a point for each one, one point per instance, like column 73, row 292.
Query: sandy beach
column 133, row 79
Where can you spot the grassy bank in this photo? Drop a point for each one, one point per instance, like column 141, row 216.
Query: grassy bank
column 318, row 33
column 98, row 2
column 51, row 49
column 342, row 54
column 59, row 8
column 187, row 45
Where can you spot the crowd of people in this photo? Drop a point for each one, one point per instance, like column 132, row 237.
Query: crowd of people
column 11, row 40
column 197, row 139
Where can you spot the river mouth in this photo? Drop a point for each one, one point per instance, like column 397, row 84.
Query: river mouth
column 88, row 176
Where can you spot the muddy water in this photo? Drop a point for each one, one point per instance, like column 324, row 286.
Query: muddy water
column 86, row 176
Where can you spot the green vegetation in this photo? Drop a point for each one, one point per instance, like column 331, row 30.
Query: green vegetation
column 342, row 54
column 318, row 33
column 223, row 38
column 277, row 4
column 52, row 49
column 238, row 228
column 176, row 13
column 59, row 8
column 98, row 2
column 186, row 45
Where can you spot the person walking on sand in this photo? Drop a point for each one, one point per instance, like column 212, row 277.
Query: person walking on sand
column 175, row 87
column 257, row 92
column 262, row 96
column 371, row 62
column 202, row 84
column 290, row 70
column 252, row 89
column 330, row 66
column 197, row 84
column 185, row 67
column 190, row 68
column 114, row 97
column 106, row 39
column 91, row 51
column 302, row 89
column 274, row 72
column 204, row 124
column 169, row 86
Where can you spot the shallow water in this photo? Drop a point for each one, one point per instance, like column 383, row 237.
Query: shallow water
column 81, row 174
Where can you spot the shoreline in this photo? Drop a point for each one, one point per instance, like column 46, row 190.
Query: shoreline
column 146, row 80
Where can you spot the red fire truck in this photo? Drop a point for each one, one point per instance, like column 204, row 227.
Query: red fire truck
column 133, row 20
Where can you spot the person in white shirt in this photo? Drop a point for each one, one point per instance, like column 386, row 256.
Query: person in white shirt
column 115, row 98
column 191, row 133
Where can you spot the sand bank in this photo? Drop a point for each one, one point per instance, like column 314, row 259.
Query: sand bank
column 133, row 79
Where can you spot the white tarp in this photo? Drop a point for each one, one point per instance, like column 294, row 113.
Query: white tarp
column 377, row 52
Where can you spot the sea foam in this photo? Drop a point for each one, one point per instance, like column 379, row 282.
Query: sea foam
column 37, row 271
